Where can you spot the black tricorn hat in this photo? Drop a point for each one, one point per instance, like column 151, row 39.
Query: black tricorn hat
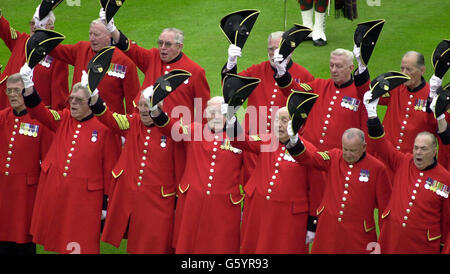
column 47, row 6
column 98, row 66
column 292, row 38
column 237, row 88
column 366, row 36
column 443, row 100
column 167, row 83
column 111, row 7
column 41, row 43
column 237, row 25
column 299, row 104
column 386, row 82
column 441, row 58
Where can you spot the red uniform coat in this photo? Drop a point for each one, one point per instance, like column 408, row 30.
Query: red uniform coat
column 275, row 217
column 143, row 199
column 406, row 116
column 417, row 216
column 50, row 75
column 336, row 109
column 267, row 94
column 75, row 175
column 444, row 150
column 209, row 191
column 264, row 101
column 120, row 84
column 23, row 145
column 346, row 222
column 193, row 93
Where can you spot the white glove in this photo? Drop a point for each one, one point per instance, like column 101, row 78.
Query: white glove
column 27, row 75
column 357, row 53
column 224, row 110
column 293, row 136
column 370, row 107
column 110, row 25
column 433, row 107
column 310, row 237
column 41, row 24
column 435, row 83
column 85, row 82
column 233, row 53
column 280, row 62
column 84, row 79
column 103, row 215
column 148, row 94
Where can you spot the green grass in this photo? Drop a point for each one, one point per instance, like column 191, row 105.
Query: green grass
column 410, row 25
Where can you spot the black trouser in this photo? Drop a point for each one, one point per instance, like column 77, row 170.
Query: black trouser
column 15, row 248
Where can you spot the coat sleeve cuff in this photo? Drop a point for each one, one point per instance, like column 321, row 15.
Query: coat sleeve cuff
column 296, row 149
column 284, row 81
column 161, row 120
column 445, row 136
column 312, row 223
column 375, row 128
column 361, row 79
column 32, row 100
column 99, row 107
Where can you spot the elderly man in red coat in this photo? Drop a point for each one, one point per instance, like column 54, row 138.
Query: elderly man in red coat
column 276, row 217
column 417, row 217
column 406, row 113
column 357, row 183
column 121, row 83
column 210, row 186
column 75, row 175
column 142, row 203
column 50, row 75
column 23, row 143
column 189, row 102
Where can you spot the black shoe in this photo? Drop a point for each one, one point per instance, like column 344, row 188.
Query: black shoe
column 319, row 42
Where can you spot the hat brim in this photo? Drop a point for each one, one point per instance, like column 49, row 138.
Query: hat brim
column 98, row 66
column 167, row 84
column 366, row 36
column 111, row 7
column 236, row 89
column 299, row 104
column 443, row 100
column 386, row 82
column 47, row 6
column 238, row 32
column 442, row 64
column 40, row 44
column 292, row 38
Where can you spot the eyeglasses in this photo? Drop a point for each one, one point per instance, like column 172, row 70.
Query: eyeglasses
column 76, row 99
column 167, row 43
column 10, row 91
column 48, row 25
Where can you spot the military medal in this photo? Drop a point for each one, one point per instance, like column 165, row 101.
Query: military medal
column 163, row 141
column 21, row 130
column 364, row 175
column 343, row 102
column 94, row 136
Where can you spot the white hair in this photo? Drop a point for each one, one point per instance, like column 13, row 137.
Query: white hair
column 348, row 54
